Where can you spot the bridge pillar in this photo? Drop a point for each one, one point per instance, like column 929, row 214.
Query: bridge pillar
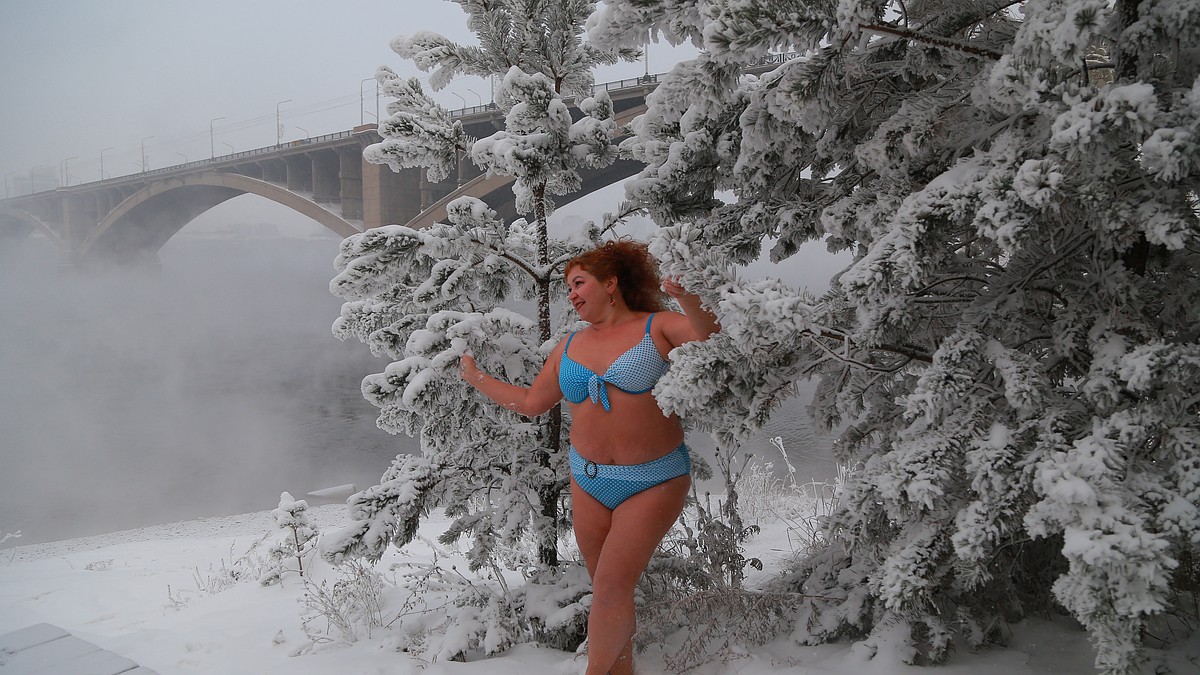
column 73, row 222
column 299, row 173
column 351, row 189
column 389, row 198
column 427, row 197
column 326, row 182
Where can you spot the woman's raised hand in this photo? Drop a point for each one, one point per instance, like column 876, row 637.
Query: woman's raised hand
column 468, row 370
column 673, row 288
column 703, row 322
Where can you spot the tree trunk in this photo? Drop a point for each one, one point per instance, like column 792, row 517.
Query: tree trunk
column 1137, row 256
column 547, row 492
column 299, row 560
column 1127, row 11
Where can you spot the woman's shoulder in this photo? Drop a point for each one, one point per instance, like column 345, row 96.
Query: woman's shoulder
column 672, row 327
column 665, row 317
column 567, row 338
column 661, row 320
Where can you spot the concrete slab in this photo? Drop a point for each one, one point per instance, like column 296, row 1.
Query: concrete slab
column 29, row 637
column 45, row 649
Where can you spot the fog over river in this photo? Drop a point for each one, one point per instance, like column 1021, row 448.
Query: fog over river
column 205, row 387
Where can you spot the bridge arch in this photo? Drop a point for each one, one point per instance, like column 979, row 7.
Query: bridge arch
column 16, row 224
column 145, row 220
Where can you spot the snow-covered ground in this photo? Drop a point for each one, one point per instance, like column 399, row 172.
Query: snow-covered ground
column 163, row 596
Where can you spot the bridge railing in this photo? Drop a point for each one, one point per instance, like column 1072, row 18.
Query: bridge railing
column 268, row 150
column 606, row 86
column 643, row 81
column 474, row 110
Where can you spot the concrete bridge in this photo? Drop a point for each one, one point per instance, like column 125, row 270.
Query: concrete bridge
column 128, row 219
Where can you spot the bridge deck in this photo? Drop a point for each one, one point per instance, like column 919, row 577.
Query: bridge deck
column 44, row 648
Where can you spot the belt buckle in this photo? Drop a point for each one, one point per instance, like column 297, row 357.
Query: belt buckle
column 590, row 469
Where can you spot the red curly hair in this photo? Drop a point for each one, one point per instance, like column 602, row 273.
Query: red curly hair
column 633, row 266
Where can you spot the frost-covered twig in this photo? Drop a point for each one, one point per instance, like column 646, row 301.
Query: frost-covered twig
column 936, row 41
column 6, row 537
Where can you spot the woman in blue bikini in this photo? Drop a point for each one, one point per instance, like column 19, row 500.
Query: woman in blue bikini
column 630, row 469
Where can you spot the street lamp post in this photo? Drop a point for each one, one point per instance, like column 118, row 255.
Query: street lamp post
column 66, row 174
column 102, row 176
column 362, row 115
column 231, row 150
column 211, row 152
column 461, row 99
column 7, row 194
column 646, row 54
column 144, row 152
column 306, row 132
column 185, row 158
column 476, row 96
column 278, row 123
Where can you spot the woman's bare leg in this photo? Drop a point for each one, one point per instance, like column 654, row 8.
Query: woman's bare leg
column 638, row 525
column 592, row 521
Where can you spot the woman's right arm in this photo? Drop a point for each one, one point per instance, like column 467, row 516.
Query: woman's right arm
column 529, row 401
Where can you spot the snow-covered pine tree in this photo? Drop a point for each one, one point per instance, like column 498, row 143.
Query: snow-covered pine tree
column 295, row 535
column 425, row 297
column 1015, row 350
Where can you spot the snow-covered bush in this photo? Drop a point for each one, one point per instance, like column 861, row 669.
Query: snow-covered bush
column 295, row 538
column 766, row 492
column 349, row 610
column 1014, row 352
column 717, row 625
column 230, row 571
column 448, row 614
column 764, row 495
column 695, row 605
column 709, row 537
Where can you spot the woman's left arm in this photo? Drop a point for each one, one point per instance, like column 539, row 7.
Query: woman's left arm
column 700, row 323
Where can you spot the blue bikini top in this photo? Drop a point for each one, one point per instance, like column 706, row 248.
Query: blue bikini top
column 634, row 372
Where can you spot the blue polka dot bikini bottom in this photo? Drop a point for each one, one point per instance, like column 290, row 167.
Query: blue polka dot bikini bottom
column 612, row 484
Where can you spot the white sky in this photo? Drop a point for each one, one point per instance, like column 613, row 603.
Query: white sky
column 85, row 78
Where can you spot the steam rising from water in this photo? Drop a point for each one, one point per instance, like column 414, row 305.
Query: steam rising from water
column 205, row 387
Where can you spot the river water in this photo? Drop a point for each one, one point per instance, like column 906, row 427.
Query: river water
column 202, row 388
